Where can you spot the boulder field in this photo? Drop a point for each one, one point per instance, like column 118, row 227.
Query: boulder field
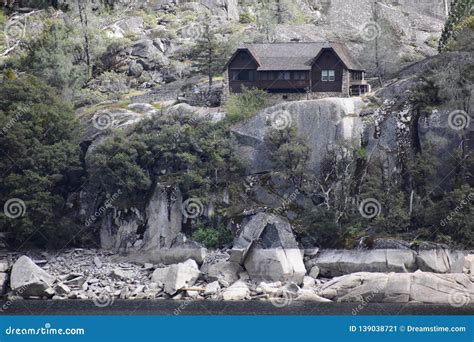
column 265, row 263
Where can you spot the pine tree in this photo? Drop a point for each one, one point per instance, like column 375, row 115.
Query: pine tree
column 459, row 10
column 210, row 52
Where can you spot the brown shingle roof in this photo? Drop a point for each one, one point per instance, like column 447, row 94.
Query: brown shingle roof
column 297, row 56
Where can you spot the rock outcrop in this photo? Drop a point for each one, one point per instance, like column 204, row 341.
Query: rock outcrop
column 177, row 277
column 168, row 256
column 269, row 251
column 237, row 291
column 454, row 289
column 226, row 272
column 164, row 213
column 322, row 123
column 29, row 280
column 469, row 265
column 3, row 275
column 3, row 283
column 332, row 263
column 440, row 260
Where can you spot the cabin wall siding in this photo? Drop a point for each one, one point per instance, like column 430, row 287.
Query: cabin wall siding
column 243, row 61
column 327, row 61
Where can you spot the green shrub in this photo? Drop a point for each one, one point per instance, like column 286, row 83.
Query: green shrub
column 453, row 216
column 212, row 238
column 319, row 225
column 432, row 41
column 50, row 57
column 168, row 150
column 149, row 19
column 244, row 105
column 40, row 152
column 246, row 18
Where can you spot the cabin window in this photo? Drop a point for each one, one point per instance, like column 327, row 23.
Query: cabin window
column 285, row 75
column 328, row 75
column 243, row 75
column 266, row 76
column 300, row 75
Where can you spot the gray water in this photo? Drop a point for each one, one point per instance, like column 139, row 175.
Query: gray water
column 206, row 307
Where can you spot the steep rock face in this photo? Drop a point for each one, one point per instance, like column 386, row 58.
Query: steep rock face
column 119, row 233
column 322, row 123
column 161, row 223
column 161, row 220
column 224, row 8
column 391, row 130
column 404, row 29
column 164, row 217
column 123, row 26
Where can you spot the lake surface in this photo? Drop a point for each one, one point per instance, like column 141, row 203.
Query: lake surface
column 206, row 307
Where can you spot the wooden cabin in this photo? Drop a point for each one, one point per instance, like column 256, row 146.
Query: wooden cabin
column 296, row 67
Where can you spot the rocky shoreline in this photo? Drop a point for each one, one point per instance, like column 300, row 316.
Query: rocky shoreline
column 265, row 263
column 102, row 277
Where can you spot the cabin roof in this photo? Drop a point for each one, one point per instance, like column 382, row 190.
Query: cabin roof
column 296, row 55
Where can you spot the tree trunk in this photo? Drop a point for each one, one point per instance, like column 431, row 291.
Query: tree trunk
column 375, row 17
column 84, row 25
column 279, row 17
